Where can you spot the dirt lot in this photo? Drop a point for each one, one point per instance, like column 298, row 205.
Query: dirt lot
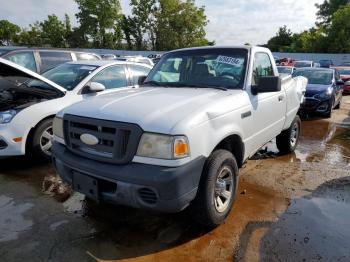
column 288, row 208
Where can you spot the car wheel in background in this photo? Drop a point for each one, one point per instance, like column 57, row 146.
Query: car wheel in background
column 217, row 189
column 42, row 140
column 288, row 140
column 339, row 103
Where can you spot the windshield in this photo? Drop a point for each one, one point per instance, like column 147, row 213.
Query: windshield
column 316, row 77
column 69, row 75
column 284, row 70
column 344, row 71
column 302, row 64
column 201, row 68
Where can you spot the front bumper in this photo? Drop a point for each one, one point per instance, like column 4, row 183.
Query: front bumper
column 7, row 145
column 312, row 105
column 165, row 189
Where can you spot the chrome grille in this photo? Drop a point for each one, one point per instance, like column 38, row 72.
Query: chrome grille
column 117, row 141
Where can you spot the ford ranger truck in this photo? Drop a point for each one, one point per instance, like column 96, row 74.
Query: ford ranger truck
column 179, row 140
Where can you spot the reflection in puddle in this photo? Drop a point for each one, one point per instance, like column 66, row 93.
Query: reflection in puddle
column 12, row 221
column 319, row 141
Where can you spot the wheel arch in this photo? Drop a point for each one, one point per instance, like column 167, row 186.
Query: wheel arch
column 32, row 130
column 234, row 144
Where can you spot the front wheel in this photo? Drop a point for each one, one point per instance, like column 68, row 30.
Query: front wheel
column 42, row 140
column 288, row 140
column 217, row 189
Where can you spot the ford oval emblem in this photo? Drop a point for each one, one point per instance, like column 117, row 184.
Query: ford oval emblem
column 89, row 139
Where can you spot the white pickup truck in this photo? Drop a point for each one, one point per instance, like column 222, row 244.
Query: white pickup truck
column 179, row 140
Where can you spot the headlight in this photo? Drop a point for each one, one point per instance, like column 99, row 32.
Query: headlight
column 7, row 116
column 325, row 95
column 163, row 146
column 57, row 127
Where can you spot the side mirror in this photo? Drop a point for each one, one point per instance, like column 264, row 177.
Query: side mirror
column 93, row 87
column 141, row 80
column 340, row 83
column 267, row 84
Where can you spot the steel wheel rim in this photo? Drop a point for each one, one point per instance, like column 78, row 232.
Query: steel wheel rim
column 223, row 189
column 294, row 135
column 46, row 141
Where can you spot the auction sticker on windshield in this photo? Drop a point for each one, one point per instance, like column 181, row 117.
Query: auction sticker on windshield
column 229, row 60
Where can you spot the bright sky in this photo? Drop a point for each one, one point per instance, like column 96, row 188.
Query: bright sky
column 231, row 21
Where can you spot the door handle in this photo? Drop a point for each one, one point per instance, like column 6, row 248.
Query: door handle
column 280, row 98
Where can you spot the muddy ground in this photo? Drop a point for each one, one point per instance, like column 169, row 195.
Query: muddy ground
column 288, row 208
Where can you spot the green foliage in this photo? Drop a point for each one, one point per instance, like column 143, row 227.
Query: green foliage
column 327, row 9
column 282, row 39
column 8, row 32
column 180, row 24
column 331, row 34
column 100, row 22
column 31, row 36
column 339, row 31
column 53, row 31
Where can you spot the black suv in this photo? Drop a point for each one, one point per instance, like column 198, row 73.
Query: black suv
column 40, row 60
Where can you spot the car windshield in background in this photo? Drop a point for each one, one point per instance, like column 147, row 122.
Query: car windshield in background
column 302, row 64
column 284, row 70
column 204, row 68
column 344, row 71
column 69, row 75
column 316, row 77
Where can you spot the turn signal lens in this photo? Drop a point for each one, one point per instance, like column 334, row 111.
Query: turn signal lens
column 181, row 148
column 17, row 139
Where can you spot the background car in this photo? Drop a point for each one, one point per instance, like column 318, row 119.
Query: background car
column 345, row 76
column 326, row 63
column 304, row 63
column 323, row 92
column 40, row 60
column 285, row 69
column 136, row 59
column 28, row 101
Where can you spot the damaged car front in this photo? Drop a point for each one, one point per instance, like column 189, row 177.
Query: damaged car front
column 20, row 89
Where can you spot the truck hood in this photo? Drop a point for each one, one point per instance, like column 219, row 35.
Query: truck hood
column 159, row 109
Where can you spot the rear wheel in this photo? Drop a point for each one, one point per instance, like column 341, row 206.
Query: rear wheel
column 42, row 140
column 217, row 189
column 288, row 140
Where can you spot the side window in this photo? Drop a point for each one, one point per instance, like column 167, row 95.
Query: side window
column 52, row 59
column 262, row 67
column 137, row 71
column 112, row 77
column 84, row 56
column 25, row 59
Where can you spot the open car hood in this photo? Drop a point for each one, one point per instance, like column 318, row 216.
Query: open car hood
column 27, row 73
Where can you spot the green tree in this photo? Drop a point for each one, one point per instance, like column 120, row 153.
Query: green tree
column 339, row 31
column 180, row 24
column 281, row 41
column 31, row 36
column 53, row 31
column 142, row 23
column 100, row 21
column 8, row 32
column 327, row 9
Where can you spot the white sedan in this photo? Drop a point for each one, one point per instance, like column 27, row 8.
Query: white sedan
column 28, row 101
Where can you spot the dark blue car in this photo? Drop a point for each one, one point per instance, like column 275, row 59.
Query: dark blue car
column 323, row 92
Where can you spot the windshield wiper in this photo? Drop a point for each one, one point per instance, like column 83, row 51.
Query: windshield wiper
column 199, row 86
column 153, row 83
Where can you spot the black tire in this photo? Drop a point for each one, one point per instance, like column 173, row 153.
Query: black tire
column 330, row 111
column 204, row 208
column 288, row 140
column 36, row 146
